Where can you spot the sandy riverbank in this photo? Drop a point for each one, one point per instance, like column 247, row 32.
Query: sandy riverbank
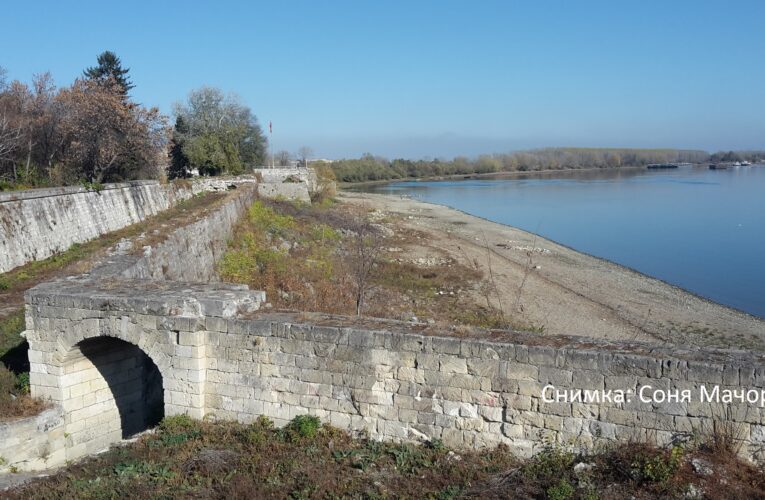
column 565, row 292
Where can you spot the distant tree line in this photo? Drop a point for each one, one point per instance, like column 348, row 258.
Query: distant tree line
column 375, row 168
column 734, row 156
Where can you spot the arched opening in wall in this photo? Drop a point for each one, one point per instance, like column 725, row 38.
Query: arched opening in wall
column 111, row 390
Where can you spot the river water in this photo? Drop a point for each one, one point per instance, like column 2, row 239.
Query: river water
column 702, row 230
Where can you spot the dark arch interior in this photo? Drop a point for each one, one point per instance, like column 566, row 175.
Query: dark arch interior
column 133, row 379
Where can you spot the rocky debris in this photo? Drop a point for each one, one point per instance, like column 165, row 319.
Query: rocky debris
column 582, row 468
column 432, row 261
column 692, row 492
column 523, row 248
column 377, row 215
column 383, row 230
column 702, row 467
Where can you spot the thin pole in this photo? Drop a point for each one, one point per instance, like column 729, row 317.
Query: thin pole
column 271, row 131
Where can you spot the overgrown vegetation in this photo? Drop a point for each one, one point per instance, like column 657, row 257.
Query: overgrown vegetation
column 186, row 458
column 215, row 134
column 10, row 331
column 94, row 132
column 335, row 258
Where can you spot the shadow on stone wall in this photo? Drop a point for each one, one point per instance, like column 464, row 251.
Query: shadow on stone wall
column 132, row 378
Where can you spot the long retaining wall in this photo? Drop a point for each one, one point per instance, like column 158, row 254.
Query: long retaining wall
column 384, row 378
column 189, row 253
column 38, row 223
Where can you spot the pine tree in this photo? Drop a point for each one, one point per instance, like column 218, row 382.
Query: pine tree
column 179, row 162
column 110, row 66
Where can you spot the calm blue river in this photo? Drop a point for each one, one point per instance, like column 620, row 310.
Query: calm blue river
column 702, row 230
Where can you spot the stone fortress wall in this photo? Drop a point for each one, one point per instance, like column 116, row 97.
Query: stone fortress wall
column 38, row 223
column 209, row 351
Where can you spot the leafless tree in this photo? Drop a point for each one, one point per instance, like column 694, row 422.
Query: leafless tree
column 303, row 154
column 365, row 250
column 10, row 139
column 283, row 158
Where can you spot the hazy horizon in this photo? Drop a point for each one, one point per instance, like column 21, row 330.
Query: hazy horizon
column 431, row 79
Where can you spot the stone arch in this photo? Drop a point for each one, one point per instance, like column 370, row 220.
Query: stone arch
column 111, row 389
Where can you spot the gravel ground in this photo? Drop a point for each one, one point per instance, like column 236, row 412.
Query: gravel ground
column 564, row 292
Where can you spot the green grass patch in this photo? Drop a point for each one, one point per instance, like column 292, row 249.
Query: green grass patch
column 266, row 219
column 10, row 331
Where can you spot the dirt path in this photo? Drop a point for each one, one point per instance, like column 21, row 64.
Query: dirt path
column 564, row 292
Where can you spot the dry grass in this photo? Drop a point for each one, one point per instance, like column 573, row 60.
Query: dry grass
column 320, row 257
column 192, row 459
column 15, row 401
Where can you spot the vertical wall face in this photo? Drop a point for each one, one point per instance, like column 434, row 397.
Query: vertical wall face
column 524, row 393
column 111, row 390
column 38, row 223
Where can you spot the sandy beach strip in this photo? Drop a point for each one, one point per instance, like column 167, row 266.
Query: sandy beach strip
column 565, row 292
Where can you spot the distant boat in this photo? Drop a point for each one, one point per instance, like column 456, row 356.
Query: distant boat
column 718, row 166
column 737, row 164
column 745, row 163
column 662, row 165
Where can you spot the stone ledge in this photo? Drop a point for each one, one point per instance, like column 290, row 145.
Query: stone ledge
column 581, row 352
column 171, row 298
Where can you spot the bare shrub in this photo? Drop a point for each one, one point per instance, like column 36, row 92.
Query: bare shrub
column 721, row 435
column 364, row 251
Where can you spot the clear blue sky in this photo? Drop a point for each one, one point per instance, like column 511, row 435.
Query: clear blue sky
column 430, row 78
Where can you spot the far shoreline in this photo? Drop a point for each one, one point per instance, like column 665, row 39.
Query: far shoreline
column 490, row 175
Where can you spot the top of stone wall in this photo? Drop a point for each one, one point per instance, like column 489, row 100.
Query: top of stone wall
column 584, row 347
column 30, row 194
column 170, row 298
